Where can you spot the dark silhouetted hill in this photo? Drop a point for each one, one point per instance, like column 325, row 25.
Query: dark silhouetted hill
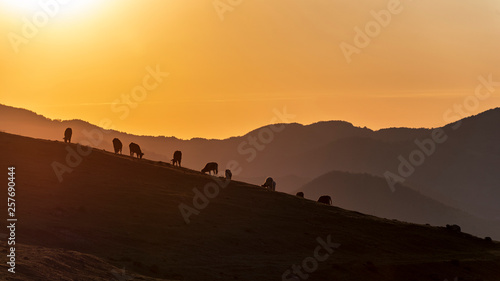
column 462, row 173
column 370, row 195
column 113, row 212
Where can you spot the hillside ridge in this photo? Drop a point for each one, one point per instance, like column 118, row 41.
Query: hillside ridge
column 108, row 202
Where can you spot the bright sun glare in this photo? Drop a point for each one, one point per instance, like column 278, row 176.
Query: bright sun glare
column 51, row 8
column 20, row 5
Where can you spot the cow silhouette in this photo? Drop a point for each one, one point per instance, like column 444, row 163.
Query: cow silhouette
column 117, row 145
column 325, row 199
column 212, row 166
column 67, row 135
column 270, row 184
column 177, row 158
column 135, row 148
column 229, row 175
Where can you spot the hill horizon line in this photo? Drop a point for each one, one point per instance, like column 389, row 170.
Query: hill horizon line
column 344, row 122
column 99, row 213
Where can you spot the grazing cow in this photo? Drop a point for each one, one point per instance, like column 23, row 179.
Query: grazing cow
column 325, row 199
column 454, row 228
column 212, row 166
column 300, row 194
column 67, row 135
column 134, row 148
column 117, row 145
column 229, row 175
column 270, row 184
column 177, row 158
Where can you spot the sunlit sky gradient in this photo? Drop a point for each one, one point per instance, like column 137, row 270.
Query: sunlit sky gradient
column 227, row 76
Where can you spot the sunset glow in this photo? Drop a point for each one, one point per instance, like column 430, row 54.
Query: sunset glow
column 228, row 70
column 250, row 139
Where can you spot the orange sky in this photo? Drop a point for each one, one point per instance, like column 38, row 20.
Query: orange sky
column 227, row 75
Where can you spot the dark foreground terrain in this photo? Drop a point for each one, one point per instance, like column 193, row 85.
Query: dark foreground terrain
column 118, row 218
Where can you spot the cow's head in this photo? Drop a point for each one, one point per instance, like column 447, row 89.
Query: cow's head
column 140, row 155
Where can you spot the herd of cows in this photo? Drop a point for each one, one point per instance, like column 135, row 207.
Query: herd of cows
column 177, row 158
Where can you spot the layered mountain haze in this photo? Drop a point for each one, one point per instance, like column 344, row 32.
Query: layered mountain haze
column 369, row 194
column 118, row 218
column 313, row 140
column 461, row 172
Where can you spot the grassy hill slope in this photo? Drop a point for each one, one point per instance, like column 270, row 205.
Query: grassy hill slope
column 125, row 213
column 371, row 195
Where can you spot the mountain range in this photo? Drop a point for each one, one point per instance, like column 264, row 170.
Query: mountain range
column 114, row 217
column 458, row 175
